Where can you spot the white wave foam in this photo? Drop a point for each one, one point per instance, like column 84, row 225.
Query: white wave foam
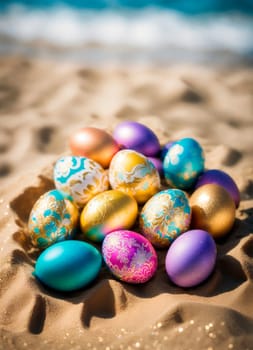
column 148, row 29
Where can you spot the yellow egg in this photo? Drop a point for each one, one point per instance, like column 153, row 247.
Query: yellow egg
column 213, row 210
column 106, row 212
column 134, row 174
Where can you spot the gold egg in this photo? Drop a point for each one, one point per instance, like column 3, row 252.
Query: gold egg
column 95, row 144
column 213, row 210
column 131, row 172
column 106, row 212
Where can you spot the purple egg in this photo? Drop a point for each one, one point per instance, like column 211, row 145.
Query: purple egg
column 136, row 136
column 165, row 149
column 158, row 164
column 222, row 179
column 191, row 258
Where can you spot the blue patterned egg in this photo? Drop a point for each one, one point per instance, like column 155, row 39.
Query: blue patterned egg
column 80, row 177
column 68, row 266
column 53, row 218
column 165, row 216
column 183, row 163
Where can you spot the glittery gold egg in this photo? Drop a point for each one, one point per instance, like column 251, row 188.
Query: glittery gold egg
column 213, row 210
column 53, row 218
column 134, row 174
column 106, row 212
column 95, row 144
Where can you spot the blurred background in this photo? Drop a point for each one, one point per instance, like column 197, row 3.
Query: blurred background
column 129, row 30
column 182, row 67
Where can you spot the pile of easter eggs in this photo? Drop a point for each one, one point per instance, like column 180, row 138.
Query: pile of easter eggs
column 132, row 196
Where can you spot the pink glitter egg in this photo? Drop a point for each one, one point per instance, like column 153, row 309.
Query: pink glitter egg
column 129, row 256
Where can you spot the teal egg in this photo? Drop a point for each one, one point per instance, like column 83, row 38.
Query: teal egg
column 68, row 265
column 183, row 163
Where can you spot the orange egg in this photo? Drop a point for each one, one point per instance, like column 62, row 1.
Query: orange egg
column 95, row 144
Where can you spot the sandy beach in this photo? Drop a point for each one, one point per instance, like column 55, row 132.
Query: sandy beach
column 41, row 104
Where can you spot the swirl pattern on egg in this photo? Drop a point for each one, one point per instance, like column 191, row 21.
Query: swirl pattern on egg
column 134, row 174
column 129, row 256
column 183, row 163
column 165, row 216
column 80, row 177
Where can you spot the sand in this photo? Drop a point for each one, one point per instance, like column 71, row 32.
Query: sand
column 41, row 103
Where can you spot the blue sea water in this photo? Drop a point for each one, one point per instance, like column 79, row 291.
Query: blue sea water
column 185, row 6
column 142, row 29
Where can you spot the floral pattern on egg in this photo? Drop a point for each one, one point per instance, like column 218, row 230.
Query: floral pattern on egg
column 129, row 256
column 53, row 218
column 165, row 216
column 80, row 177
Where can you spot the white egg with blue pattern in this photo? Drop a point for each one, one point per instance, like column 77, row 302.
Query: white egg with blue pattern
column 80, row 177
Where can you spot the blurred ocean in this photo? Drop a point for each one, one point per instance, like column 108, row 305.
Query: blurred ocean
column 129, row 30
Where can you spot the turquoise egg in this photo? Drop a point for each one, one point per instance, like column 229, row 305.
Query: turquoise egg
column 53, row 218
column 68, row 265
column 183, row 163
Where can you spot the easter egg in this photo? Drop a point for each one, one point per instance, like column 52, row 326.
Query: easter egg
column 183, row 163
column 95, row 144
column 213, row 210
column 80, row 177
column 165, row 216
column 53, row 218
column 138, row 137
column 191, row 258
column 129, row 256
column 132, row 173
column 219, row 177
column 158, row 165
column 106, row 212
column 68, row 266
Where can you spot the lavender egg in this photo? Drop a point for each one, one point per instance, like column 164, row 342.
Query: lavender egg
column 129, row 256
column 191, row 258
column 138, row 137
column 218, row 177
